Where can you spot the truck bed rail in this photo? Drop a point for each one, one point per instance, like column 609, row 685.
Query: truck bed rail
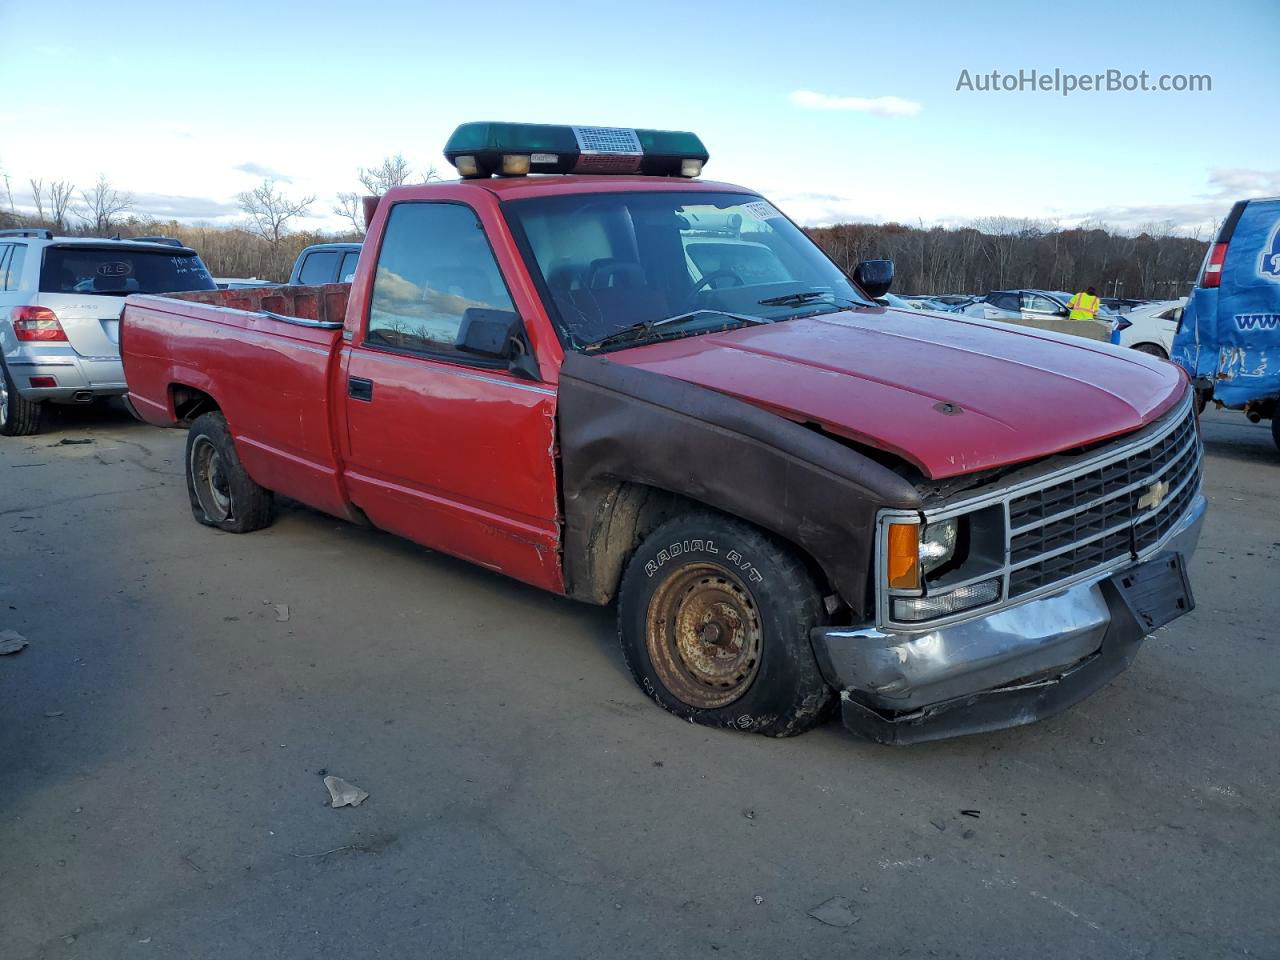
column 319, row 307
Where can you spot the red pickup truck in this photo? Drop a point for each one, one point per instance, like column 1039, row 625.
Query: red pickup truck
column 624, row 384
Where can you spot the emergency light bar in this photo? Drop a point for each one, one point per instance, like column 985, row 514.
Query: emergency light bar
column 518, row 149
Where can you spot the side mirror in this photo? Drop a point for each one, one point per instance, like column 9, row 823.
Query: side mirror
column 497, row 335
column 487, row 333
column 875, row 277
column 1062, row 312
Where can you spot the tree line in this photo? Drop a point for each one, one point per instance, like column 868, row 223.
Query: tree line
column 990, row 253
column 995, row 253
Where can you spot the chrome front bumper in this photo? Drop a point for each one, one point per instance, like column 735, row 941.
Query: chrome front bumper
column 900, row 687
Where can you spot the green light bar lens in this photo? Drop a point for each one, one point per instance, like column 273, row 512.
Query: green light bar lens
column 483, row 149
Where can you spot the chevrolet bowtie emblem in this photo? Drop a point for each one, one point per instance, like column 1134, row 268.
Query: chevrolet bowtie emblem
column 1154, row 496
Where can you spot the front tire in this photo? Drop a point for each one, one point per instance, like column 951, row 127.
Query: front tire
column 714, row 618
column 223, row 495
column 1275, row 427
column 19, row 417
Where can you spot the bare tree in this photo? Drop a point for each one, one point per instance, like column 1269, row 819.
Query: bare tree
column 394, row 171
column 60, row 194
column 37, row 197
column 269, row 211
column 13, row 211
column 350, row 207
column 103, row 204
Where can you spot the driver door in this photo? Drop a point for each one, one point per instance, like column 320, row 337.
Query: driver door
column 443, row 447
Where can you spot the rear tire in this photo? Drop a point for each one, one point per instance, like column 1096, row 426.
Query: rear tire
column 19, row 417
column 1275, row 427
column 223, row 495
column 1152, row 349
column 714, row 618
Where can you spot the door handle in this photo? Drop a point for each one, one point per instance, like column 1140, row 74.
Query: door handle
column 359, row 388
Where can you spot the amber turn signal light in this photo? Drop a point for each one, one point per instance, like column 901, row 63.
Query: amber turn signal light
column 904, row 556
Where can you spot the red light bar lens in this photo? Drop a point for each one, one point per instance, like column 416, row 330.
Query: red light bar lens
column 40, row 382
column 36, row 323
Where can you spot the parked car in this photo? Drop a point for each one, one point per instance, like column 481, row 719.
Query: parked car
column 795, row 495
column 919, row 302
column 60, row 303
column 1122, row 305
column 325, row 263
column 1042, row 309
column 242, row 283
column 1150, row 327
column 1229, row 338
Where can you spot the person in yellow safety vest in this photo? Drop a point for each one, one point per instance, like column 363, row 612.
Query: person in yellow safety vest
column 1084, row 306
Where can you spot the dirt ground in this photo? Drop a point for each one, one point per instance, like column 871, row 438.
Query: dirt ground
column 163, row 738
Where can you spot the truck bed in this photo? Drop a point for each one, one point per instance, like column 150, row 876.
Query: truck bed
column 265, row 354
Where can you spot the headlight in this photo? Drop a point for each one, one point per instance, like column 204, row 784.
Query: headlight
column 938, row 544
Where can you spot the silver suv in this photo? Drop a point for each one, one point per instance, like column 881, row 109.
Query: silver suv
column 60, row 305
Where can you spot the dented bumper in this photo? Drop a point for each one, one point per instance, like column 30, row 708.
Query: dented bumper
column 1011, row 667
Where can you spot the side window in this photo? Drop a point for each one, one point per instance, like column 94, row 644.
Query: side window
column 1031, row 301
column 319, row 267
column 347, row 272
column 434, row 264
column 17, row 256
column 5, row 249
column 1005, row 301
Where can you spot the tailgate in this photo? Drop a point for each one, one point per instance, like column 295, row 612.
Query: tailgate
column 92, row 324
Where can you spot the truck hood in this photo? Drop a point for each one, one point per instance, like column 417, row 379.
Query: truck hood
column 951, row 396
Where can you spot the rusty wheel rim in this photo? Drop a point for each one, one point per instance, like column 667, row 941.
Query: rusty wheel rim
column 703, row 636
column 213, row 489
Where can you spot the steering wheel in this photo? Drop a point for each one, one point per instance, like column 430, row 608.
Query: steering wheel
column 707, row 279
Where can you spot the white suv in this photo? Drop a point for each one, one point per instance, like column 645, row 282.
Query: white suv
column 60, row 305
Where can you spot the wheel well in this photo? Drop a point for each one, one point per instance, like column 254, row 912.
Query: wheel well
column 626, row 513
column 1156, row 349
column 188, row 402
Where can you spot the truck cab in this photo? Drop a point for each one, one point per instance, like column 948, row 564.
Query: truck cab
column 626, row 384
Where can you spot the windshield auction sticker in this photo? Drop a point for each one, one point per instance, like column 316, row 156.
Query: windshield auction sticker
column 760, row 210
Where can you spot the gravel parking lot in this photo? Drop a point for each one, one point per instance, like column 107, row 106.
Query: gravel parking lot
column 163, row 737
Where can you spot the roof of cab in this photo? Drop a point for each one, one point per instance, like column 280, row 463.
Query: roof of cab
column 511, row 188
column 508, row 188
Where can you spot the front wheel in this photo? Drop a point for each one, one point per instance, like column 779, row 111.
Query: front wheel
column 1275, row 427
column 223, row 495
column 714, row 618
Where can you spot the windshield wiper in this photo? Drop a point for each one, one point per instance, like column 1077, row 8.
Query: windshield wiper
column 807, row 296
column 642, row 329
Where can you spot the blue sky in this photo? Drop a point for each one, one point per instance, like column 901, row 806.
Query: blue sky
column 185, row 104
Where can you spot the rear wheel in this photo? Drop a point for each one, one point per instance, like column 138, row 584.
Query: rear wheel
column 714, row 619
column 1275, row 427
column 19, row 417
column 223, row 495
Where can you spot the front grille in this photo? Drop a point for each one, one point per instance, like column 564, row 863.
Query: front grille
column 1102, row 515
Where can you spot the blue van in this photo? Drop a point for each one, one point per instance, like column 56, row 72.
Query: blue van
column 1229, row 337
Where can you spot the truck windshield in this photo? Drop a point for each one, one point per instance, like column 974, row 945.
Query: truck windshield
column 612, row 261
column 120, row 271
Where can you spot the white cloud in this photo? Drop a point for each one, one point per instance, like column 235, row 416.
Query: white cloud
column 880, row 106
column 262, row 170
column 1226, row 186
